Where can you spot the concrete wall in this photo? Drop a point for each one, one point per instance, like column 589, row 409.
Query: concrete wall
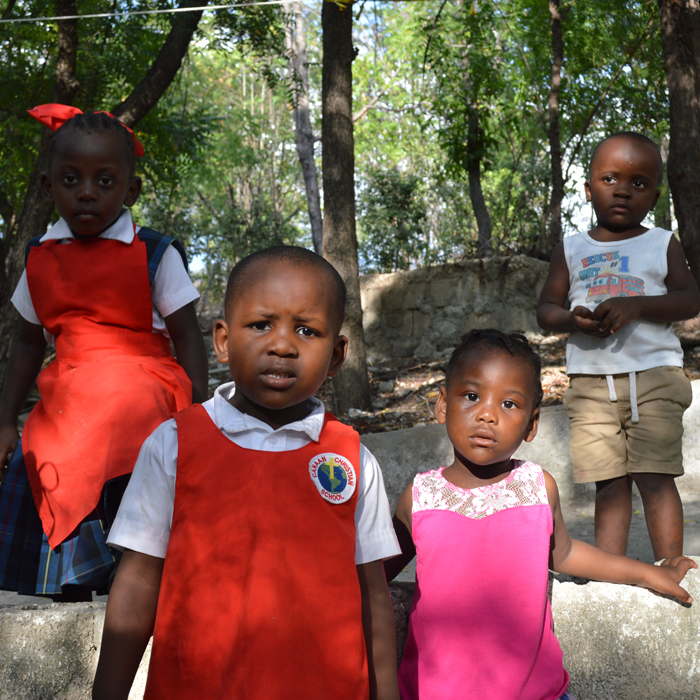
column 424, row 312
column 619, row 643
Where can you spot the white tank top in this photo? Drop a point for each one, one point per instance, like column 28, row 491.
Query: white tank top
column 633, row 267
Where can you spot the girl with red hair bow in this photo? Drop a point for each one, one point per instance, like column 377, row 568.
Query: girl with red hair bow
column 110, row 296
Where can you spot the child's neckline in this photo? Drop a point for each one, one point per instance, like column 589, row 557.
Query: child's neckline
column 517, row 464
column 618, row 241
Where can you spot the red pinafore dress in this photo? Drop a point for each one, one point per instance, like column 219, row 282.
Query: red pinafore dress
column 259, row 598
column 113, row 380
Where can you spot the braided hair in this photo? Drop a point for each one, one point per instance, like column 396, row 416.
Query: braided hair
column 100, row 123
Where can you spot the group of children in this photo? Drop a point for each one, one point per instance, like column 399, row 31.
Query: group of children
column 254, row 538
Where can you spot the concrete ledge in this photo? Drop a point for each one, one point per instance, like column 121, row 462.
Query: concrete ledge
column 626, row 642
column 618, row 641
column 50, row 652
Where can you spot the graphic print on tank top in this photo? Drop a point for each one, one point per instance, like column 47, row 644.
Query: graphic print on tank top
column 609, row 275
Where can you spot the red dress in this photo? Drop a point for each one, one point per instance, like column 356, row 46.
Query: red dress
column 259, row 598
column 113, row 380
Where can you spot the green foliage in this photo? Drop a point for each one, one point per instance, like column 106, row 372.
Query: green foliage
column 451, row 67
column 221, row 170
column 113, row 56
column 239, row 192
column 392, row 203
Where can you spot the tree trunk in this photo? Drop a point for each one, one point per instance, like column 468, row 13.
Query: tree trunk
column 555, row 229
column 339, row 238
column 36, row 213
column 303, row 131
column 662, row 211
column 680, row 34
column 476, row 194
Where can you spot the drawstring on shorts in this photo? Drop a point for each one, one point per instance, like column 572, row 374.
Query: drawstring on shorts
column 633, row 393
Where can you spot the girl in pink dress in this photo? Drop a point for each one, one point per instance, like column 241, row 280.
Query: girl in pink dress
column 486, row 529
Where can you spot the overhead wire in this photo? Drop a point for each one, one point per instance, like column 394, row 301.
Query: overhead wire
column 204, row 8
column 171, row 10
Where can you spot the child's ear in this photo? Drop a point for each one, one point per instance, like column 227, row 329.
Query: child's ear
column 532, row 426
column 587, row 187
column 441, row 406
column 46, row 188
column 132, row 194
column 340, row 351
column 220, row 337
column 656, row 199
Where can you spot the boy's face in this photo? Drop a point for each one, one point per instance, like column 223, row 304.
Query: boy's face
column 90, row 181
column 624, row 184
column 487, row 407
column 280, row 340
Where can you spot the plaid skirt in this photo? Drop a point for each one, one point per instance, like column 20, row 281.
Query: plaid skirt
column 28, row 565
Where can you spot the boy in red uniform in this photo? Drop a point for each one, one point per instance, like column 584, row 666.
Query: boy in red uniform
column 272, row 587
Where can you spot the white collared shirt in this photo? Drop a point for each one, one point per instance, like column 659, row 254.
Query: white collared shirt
column 146, row 512
column 171, row 290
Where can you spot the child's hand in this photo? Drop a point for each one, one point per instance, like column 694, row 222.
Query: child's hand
column 665, row 578
column 9, row 437
column 585, row 321
column 612, row 314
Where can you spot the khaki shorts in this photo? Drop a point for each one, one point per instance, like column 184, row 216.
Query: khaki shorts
column 603, row 441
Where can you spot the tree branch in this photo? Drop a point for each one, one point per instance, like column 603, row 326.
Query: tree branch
column 432, row 31
column 601, row 99
column 540, row 107
column 66, row 84
column 362, row 113
column 159, row 76
column 8, row 10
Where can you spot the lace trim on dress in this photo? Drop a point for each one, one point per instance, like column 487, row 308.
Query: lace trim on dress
column 524, row 486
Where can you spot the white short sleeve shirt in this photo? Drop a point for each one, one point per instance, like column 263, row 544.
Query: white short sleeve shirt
column 146, row 512
column 171, row 290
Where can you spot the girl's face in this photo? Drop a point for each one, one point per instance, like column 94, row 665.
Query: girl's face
column 488, row 410
column 90, row 181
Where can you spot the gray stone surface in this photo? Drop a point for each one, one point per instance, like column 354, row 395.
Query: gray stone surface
column 50, row 652
column 624, row 642
column 619, row 643
column 424, row 312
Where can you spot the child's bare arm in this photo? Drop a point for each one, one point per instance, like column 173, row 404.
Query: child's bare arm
column 682, row 300
column 190, row 350
column 129, row 621
column 26, row 357
column 552, row 314
column 576, row 558
column 380, row 631
column 402, row 526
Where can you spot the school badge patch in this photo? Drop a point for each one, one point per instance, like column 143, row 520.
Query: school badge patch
column 334, row 476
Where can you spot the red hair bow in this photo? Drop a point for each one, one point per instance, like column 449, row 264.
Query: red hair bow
column 56, row 115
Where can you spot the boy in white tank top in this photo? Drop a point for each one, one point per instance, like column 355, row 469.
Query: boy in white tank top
column 625, row 285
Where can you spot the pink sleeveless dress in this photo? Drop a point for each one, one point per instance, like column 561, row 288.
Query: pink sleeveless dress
column 481, row 622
